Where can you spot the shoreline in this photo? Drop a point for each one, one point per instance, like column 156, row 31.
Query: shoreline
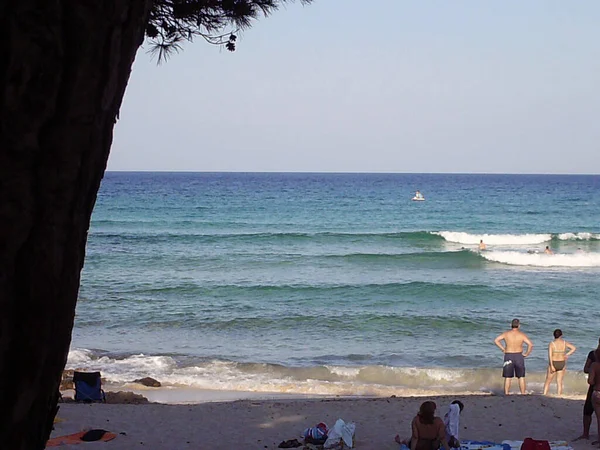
column 264, row 423
column 175, row 395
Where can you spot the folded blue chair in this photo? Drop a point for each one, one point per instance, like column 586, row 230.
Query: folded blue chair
column 88, row 387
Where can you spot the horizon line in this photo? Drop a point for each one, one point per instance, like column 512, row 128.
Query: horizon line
column 348, row 172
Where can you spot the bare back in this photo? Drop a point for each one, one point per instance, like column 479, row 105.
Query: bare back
column 515, row 339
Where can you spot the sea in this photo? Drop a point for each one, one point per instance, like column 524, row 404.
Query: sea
column 335, row 284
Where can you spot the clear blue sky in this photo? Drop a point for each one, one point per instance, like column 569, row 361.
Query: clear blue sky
column 398, row 86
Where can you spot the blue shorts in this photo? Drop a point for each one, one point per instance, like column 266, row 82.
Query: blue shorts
column 514, row 365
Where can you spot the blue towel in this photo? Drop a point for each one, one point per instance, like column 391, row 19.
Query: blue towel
column 483, row 445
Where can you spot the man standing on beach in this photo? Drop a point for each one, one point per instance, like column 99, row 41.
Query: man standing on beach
column 588, row 407
column 514, row 358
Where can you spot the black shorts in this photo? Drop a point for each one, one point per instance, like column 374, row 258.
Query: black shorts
column 588, row 407
column 514, row 365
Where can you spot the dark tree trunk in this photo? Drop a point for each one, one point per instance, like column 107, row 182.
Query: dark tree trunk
column 64, row 66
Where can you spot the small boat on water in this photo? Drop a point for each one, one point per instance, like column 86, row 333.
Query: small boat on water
column 418, row 197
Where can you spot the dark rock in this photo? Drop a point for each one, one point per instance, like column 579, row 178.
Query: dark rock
column 147, row 381
column 125, row 397
column 66, row 381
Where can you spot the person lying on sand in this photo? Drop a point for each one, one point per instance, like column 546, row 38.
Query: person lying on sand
column 428, row 431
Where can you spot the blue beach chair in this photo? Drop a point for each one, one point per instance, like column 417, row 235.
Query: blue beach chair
column 88, row 387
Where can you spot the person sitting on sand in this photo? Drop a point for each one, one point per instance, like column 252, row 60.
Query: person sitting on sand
column 451, row 422
column 557, row 361
column 428, row 431
column 482, row 245
column 588, row 407
column 548, row 251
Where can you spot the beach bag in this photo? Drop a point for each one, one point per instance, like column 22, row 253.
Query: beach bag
column 341, row 436
column 316, row 435
column 534, row 444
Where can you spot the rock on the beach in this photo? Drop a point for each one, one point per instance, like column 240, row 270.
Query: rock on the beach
column 124, row 397
column 66, row 381
column 147, row 381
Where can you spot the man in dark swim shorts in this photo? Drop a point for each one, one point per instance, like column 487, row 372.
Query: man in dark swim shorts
column 514, row 365
column 588, row 407
column 514, row 358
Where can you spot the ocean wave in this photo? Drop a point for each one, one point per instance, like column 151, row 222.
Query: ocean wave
column 370, row 380
column 461, row 237
column 542, row 260
column 193, row 233
column 579, row 236
column 279, row 289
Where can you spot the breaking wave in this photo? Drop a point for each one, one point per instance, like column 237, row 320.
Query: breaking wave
column 373, row 380
column 543, row 260
column 461, row 237
column 493, row 239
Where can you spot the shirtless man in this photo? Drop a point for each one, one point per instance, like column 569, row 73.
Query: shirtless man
column 588, row 407
column 594, row 382
column 482, row 245
column 514, row 358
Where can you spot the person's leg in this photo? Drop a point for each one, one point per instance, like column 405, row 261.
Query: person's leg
column 549, row 378
column 587, row 423
column 596, row 403
column 522, row 385
column 508, row 372
column 507, row 386
column 560, row 375
column 588, row 412
column 519, row 367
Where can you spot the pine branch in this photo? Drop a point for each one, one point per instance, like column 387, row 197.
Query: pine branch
column 216, row 21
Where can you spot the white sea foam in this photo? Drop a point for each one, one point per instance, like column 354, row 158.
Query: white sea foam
column 264, row 378
column 579, row 236
column 543, row 260
column 493, row 239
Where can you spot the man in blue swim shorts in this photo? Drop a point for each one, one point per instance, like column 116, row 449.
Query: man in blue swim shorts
column 514, row 357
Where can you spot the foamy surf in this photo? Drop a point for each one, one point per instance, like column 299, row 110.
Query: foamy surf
column 460, row 237
column 579, row 236
column 228, row 376
column 542, row 260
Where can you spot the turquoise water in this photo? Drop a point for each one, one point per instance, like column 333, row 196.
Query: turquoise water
column 335, row 283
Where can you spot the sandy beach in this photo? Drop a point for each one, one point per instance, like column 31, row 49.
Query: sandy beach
column 263, row 424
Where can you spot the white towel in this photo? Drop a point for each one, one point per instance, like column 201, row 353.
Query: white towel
column 451, row 420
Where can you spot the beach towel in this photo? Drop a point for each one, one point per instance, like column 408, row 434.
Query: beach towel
column 483, row 445
column 451, row 420
column 81, row 437
column 554, row 445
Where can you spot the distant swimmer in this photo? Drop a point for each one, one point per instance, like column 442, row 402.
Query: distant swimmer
column 418, row 196
column 482, row 245
column 548, row 251
column 514, row 358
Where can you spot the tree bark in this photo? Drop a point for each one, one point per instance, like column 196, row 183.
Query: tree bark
column 64, row 66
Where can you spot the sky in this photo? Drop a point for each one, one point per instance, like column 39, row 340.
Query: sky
column 431, row 86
